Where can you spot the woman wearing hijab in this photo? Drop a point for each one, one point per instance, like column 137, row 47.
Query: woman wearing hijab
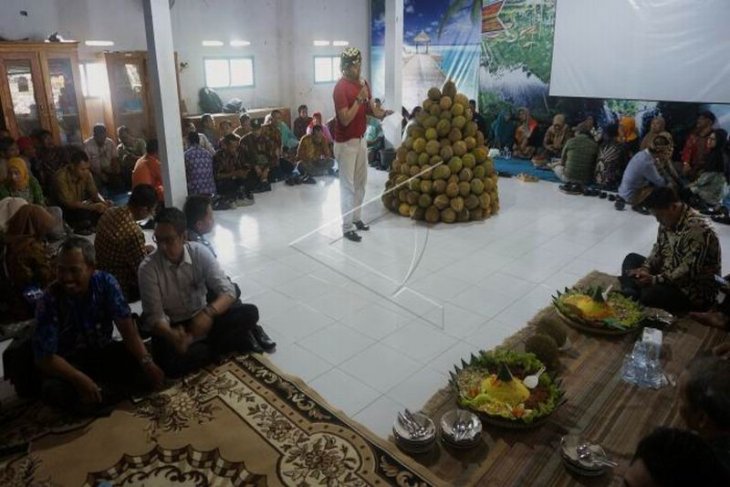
column 523, row 133
column 27, row 258
column 503, row 130
column 317, row 120
column 711, row 185
column 628, row 135
column 20, row 183
column 658, row 125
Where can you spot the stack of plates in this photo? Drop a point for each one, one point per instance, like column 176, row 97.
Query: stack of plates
column 411, row 443
column 461, row 429
column 587, row 467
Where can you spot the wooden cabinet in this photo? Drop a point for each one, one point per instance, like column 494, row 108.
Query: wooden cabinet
column 130, row 102
column 40, row 88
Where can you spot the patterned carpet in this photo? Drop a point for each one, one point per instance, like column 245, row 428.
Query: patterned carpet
column 239, row 423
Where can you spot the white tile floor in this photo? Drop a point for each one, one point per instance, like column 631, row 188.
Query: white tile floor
column 339, row 313
column 337, row 308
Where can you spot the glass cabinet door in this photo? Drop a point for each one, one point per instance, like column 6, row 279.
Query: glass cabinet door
column 127, row 76
column 26, row 101
column 64, row 102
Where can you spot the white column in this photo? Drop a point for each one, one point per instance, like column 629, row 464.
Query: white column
column 393, row 69
column 165, row 99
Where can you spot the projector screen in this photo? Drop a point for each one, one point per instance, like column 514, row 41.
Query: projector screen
column 671, row 50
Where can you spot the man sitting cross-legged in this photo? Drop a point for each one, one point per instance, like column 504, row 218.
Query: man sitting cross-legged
column 84, row 370
column 679, row 274
column 188, row 330
column 314, row 155
column 77, row 195
column 234, row 181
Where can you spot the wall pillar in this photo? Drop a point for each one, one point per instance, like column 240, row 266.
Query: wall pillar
column 393, row 69
column 163, row 89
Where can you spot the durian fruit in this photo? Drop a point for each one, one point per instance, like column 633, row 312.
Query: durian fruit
column 444, row 157
column 554, row 329
column 544, row 348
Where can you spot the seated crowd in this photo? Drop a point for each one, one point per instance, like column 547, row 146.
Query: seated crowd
column 592, row 161
column 193, row 313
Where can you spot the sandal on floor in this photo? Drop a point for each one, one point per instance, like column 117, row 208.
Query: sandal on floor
column 571, row 188
column 724, row 219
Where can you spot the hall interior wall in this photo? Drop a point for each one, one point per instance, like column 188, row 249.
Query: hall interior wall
column 281, row 33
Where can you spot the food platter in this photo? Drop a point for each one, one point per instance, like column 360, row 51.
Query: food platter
column 491, row 386
column 598, row 312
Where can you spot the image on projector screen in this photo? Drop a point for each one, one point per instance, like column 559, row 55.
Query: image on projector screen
column 673, row 50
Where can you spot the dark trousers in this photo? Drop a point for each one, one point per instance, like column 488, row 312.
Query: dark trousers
column 663, row 296
column 282, row 171
column 232, row 188
column 113, row 369
column 79, row 218
column 228, row 334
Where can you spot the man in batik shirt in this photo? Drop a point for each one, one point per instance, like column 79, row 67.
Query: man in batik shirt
column 198, row 167
column 679, row 273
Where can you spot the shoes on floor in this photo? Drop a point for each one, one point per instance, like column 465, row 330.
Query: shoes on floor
column 253, row 343
column 262, row 187
column 361, row 226
column 352, row 236
column 641, row 209
column 722, row 218
column 243, row 202
column 307, row 179
column 263, row 338
column 571, row 188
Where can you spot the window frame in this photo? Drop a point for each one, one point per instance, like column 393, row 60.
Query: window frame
column 229, row 59
column 84, row 75
column 335, row 76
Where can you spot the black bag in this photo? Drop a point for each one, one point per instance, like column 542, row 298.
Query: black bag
column 234, row 105
column 209, row 101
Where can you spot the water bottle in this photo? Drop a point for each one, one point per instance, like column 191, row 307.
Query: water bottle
column 509, row 153
column 642, row 366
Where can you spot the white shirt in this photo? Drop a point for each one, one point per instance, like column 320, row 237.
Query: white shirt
column 100, row 157
column 176, row 292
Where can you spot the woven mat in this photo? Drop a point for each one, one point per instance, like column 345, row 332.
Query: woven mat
column 599, row 406
column 239, row 423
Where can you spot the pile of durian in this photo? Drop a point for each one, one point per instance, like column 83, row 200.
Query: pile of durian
column 442, row 171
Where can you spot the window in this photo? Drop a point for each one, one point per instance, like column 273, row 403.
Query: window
column 326, row 69
column 94, row 82
column 229, row 72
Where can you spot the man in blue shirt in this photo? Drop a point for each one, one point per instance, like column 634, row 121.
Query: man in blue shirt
column 84, row 370
column 648, row 169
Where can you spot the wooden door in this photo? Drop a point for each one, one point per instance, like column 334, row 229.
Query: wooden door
column 128, row 87
column 63, row 91
column 25, row 107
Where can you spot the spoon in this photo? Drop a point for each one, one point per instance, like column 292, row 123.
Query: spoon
column 585, row 453
column 531, row 381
